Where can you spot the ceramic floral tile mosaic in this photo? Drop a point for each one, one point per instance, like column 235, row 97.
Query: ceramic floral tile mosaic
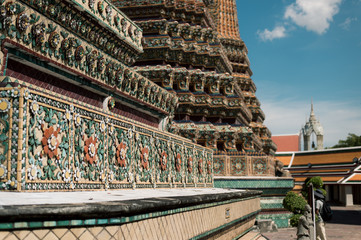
column 50, row 144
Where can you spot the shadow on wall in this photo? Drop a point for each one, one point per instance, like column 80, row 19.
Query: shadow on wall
column 344, row 216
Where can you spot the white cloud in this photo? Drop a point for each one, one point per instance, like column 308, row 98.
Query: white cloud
column 346, row 24
column 314, row 15
column 337, row 118
column 277, row 32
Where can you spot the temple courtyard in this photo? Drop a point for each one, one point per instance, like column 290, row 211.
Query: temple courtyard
column 346, row 224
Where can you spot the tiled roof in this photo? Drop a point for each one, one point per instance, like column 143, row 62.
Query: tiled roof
column 334, row 166
column 285, row 159
column 287, row 143
column 325, row 158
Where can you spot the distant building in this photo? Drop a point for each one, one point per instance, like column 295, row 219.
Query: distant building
column 313, row 126
column 293, row 142
column 286, row 143
column 340, row 169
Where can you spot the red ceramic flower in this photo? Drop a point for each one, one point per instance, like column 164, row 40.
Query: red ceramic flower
column 90, row 150
column 178, row 162
column 163, row 161
column 50, row 142
column 200, row 168
column 144, row 157
column 121, row 154
column 190, row 164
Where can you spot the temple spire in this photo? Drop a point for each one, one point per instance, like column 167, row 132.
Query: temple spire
column 224, row 13
column 312, row 115
column 312, row 126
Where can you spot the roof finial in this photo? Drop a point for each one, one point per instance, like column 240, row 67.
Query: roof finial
column 312, row 115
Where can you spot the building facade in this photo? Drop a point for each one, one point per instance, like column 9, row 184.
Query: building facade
column 339, row 168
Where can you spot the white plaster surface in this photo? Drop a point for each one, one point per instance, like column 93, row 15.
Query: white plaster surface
column 31, row 198
column 348, row 195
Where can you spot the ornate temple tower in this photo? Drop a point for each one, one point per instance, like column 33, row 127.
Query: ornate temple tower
column 193, row 48
column 312, row 126
column 224, row 13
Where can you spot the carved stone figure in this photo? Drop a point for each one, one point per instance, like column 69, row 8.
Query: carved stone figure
column 308, row 214
column 279, row 171
column 303, row 228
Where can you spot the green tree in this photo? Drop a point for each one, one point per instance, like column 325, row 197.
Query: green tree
column 352, row 140
column 316, row 182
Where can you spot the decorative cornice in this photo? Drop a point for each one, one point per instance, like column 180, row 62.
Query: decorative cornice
column 86, row 19
column 34, row 33
column 194, row 11
column 176, row 29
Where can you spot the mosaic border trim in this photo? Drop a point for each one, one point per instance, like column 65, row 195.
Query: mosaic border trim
column 228, row 225
column 255, row 183
column 245, row 232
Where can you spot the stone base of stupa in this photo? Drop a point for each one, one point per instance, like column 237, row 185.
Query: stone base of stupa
column 207, row 213
column 274, row 190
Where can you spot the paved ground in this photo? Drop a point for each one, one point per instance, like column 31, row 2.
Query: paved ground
column 345, row 225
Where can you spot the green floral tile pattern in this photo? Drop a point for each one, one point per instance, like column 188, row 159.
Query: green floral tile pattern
column 280, row 219
column 71, row 147
column 272, row 202
column 254, row 183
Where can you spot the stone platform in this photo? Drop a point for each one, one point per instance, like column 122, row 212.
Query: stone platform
column 274, row 189
column 129, row 214
column 345, row 224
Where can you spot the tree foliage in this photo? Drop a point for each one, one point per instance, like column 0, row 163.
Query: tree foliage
column 352, row 140
column 316, row 182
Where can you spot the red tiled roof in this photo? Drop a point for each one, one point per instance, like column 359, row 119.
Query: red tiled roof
column 287, row 143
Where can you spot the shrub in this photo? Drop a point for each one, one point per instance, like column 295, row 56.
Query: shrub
column 294, row 220
column 294, row 203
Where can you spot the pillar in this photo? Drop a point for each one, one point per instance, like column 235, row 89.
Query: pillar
column 341, row 194
column 306, row 142
column 319, row 142
column 348, row 195
column 327, row 188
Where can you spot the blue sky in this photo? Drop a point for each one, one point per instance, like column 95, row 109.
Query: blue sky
column 301, row 50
